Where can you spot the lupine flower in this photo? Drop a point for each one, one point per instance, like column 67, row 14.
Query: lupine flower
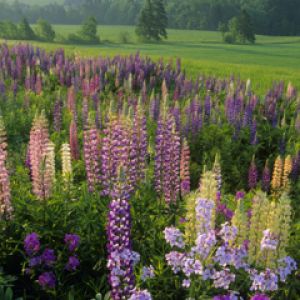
column 287, row 169
column 266, row 178
column 72, row 264
column 223, row 278
column 41, row 157
column 121, row 258
column 140, row 295
column 204, row 212
column 72, row 241
column 175, row 260
column 252, row 175
column 6, row 209
column 3, row 137
column 147, row 272
column 268, row 241
column 66, row 163
column 185, row 169
column 228, row 233
column 91, row 145
column 260, row 297
column 277, row 174
column 186, row 283
column 48, row 257
column 74, row 141
column 204, row 244
column 35, row 261
column 264, row 281
column 286, row 266
column 47, row 280
column 174, row 237
column 217, row 171
column 32, row 243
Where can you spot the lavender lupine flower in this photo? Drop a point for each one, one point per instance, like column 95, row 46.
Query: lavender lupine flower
column 204, row 244
column 174, row 237
column 72, row 241
column 185, row 169
column 207, row 108
column 268, row 242
column 175, row 260
column 252, row 175
column 72, row 264
column 32, row 243
column 260, row 297
column 266, row 178
column 222, row 279
column 186, row 283
column 204, row 210
column 47, row 280
column 231, row 296
column 147, row 272
column 239, row 195
column 264, row 281
column 140, row 295
column 48, row 257
column 295, row 167
column 120, row 258
column 228, row 233
column 286, row 266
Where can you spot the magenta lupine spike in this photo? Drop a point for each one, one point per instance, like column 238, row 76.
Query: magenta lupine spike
column 252, row 175
column 74, row 141
column 266, row 178
column 6, row 209
column 91, row 146
column 39, row 140
column 185, row 169
column 121, row 258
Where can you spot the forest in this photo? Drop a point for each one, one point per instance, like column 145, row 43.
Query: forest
column 270, row 17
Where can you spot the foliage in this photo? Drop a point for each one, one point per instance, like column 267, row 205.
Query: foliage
column 240, row 29
column 152, row 21
column 122, row 111
column 45, row 31
column 25, row 32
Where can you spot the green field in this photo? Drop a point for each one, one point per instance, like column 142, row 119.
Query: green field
column 202, row 52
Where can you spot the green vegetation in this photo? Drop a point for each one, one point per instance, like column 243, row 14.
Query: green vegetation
column 271, row 17
column 239, row 29
column 270, row 59
column 45, row 31
column 87, row 33
column 153, row 21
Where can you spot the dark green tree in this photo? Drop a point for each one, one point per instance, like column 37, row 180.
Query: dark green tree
column 45, row 31
column 89, row 30
column 25, row 31
column 152, row 21
column 246, row 29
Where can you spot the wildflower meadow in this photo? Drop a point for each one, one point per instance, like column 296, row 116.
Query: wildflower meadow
column 123, row 179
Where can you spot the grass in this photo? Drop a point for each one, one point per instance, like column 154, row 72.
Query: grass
column 202, row 52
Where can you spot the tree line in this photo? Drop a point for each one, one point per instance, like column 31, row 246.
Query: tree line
column 273, row 17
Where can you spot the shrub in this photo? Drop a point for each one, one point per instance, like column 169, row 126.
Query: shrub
column 229, row 38
column 45, row 31
column 124, row 37
column 25, row 32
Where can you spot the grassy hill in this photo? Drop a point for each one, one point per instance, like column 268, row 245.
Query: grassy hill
column 202, row 52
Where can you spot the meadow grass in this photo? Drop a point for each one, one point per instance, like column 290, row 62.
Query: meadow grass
column 202, row 52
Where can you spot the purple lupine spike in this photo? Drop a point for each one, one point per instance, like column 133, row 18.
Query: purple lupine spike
column 207, row 108
column 57, row 114
column 253, row 133
column 266, row 178
column 252, row 175
column 185, row 169
column 121, row 258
